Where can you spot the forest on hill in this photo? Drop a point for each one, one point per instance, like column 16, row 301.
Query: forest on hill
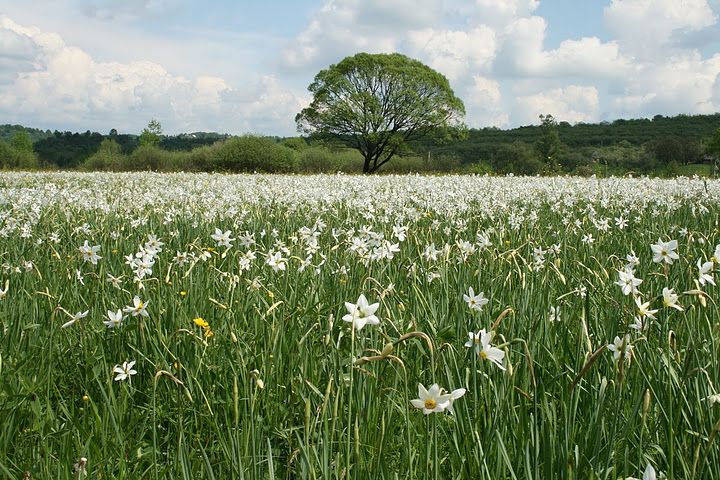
column 682, row 144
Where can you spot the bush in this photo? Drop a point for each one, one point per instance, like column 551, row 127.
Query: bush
column 108, row 157
column 11, row 157
column 254, row 154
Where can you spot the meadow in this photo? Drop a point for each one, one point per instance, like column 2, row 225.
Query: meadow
column 199, row 326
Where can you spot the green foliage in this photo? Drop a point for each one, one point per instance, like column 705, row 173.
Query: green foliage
column 548, row 144
column 254, row 154
column 713, row 145
column 22, row 142
column 17, row 155
column 150, row 135
column 519, row 158
column 377, row 103
column 67, row 149
column 7, row 132
column 108, row 157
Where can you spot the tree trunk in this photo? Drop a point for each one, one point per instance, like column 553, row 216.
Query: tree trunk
column 366, row 165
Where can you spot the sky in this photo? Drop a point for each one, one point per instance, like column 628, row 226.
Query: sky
column 241, row 66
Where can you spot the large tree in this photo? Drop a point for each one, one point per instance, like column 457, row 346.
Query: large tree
column 378, row 103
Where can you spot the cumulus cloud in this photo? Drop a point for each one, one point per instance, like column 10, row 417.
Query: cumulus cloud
column 684, row 83
column 573, row 103
column 645, row 26
column 501, row 12
column 484, row 103
column 54, row 83
column 522, row 53
column 454, row 52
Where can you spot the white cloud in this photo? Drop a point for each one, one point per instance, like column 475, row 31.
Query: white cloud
column 500, row 12
column 643, row 27
column 454, row 52
column 683, row 83
column 66, row 88
column 522, row 53
column 484, row 103
column 573, row 103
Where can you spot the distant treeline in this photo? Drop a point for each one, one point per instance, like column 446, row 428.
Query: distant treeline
column 662, row 145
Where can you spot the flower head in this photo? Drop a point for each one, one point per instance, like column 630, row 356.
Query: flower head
column 670, row 299
column 114, row 319
column 621, row 347
column 361, row 313
column 432, row 400
column 488, row 352
column 75, row 318
column 705, row 272
column 137, row 308
column 222, row 238
column 664, row 252
column 89, row 254
column 475, row 302
column 627, row 282
column 124, row 371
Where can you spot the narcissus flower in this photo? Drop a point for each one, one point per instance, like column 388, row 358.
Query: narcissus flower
column 488, row 352
column 89, row 254
column 361, row 313
column 114, row 319
column 664, row 252
column 670, row 299
column 124, row 371
column 432, row 400
column 621, row 347
column 137, row 308
column 475, row 302
column 705, row 272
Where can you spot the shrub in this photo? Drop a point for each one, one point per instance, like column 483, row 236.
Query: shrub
column 254, row 154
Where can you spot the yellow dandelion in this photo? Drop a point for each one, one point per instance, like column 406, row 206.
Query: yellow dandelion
column 200, row 322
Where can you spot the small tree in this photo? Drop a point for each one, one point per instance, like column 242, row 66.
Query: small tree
column 151, row 134
column 548, row 145
column 377, row 103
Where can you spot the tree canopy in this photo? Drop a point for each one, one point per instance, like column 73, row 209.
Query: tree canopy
column 378, row 102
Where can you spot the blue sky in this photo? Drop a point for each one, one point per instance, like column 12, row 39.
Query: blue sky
column 244, row 66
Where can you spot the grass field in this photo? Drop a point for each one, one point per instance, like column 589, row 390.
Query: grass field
column 208, row 326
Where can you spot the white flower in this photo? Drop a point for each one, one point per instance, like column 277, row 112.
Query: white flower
column 649, row 474
column 474, row 340
column 89, row 254
column 137, row 308
column 475, row 302
column 554, row 314
column 716, row 256
column 664, row 251
column 276, row 261
column 361, row 313
column 454, row 395
column 644, row 309
column 627, row 282
column 488, row 352
column 705, row 272
column 115, row 319
column 75, row 318
column 124, row 371
column 621, row 347
column 670, row 299
column 222, row 238
column 432, row 400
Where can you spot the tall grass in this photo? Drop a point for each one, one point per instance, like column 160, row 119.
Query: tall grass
column 284, row 388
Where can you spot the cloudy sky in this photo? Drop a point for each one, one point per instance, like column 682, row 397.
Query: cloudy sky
column 244, row 66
